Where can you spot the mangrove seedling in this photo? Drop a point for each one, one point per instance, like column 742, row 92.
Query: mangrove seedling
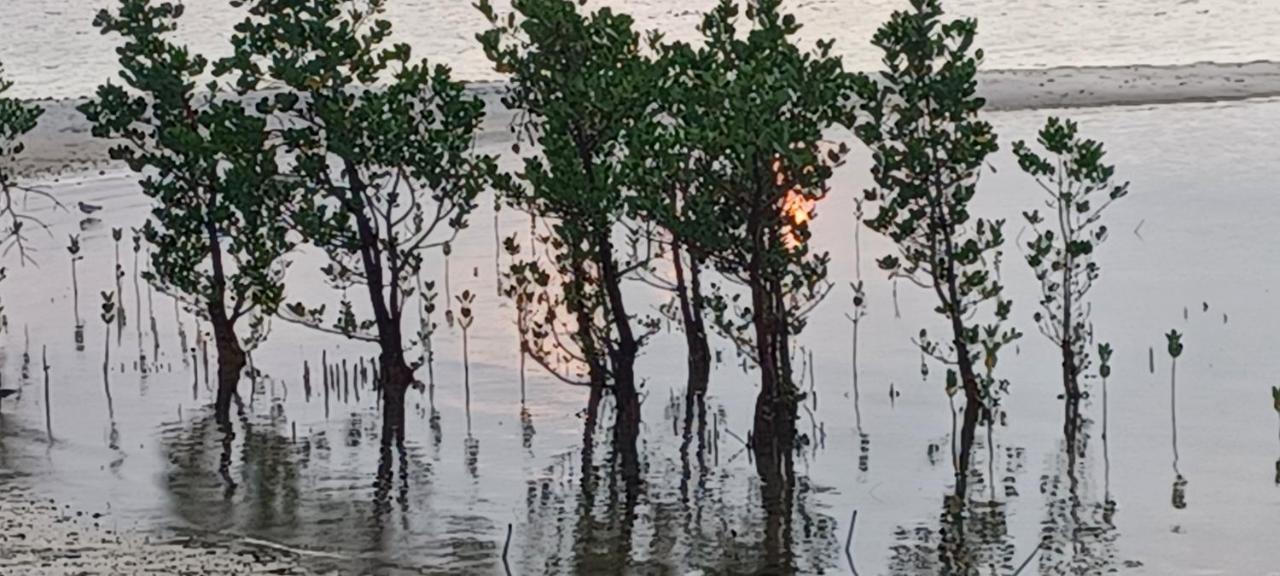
column 137, row 288
column 447, row 251
column 427, row 329
column 210, row 168
column 117, row 234
column 17, row 118
column 1079, row 187
column 383, row 143
column 1104, row 370
column 465, row 300
column 859, row 301
column 929, row 145
column 108, row 316
column 73, row 248
column 1174, row 340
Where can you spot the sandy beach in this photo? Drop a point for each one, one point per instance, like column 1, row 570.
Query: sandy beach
column 62, row 144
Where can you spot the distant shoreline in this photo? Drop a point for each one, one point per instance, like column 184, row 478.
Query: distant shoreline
column 1138, row 85
column 62, row 144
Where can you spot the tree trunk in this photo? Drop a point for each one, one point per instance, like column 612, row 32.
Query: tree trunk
column 586, row 337
column 1070, row 384
column 589, row 435
column 622, row 359
column 972, row 411
column 776, row 407
column 397, row 378
column 689, row 292
column 231, row 360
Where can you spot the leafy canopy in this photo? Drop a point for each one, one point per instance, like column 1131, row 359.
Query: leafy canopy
column 384, row 142
column 1079, row 187
column 579, row 84
column 17, row 119
column 207, row 161
column 928, row 147
column 741, row 133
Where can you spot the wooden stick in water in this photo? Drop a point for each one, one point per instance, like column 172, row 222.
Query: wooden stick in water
column 48, row 409
column 506, row 549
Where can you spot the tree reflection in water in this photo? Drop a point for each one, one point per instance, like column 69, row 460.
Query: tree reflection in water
column 238, row 480
column 972, row 535
column 1078, row 535
column 687, row 514
column 585, row 514
column 1078, row 529
column 253, row 480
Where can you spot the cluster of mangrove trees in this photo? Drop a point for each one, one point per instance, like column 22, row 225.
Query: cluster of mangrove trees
column 694, row 166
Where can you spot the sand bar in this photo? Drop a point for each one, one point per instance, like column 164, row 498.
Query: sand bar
column 63, row 144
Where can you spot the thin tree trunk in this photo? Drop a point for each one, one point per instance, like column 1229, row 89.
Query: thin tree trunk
column 1070, row 383
column 689, row 293
column 622, row 363
column 776, row 407
column 231, row 361
column 75, row 289
column 106, row 370
column 967, row 432
column 397, row 378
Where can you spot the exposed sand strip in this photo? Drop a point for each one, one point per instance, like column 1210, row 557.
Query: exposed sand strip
column 63, row 144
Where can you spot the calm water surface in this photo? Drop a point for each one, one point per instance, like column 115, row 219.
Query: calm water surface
column 51, row 49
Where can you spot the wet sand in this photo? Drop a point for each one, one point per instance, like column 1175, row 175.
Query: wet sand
column 63, row 143
column 1092, row 87
column 42, row 537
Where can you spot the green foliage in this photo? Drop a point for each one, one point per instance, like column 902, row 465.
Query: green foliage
column 742, row 129
column 1104, row 358
column 426, row 323
column 383, row 142
column 207, row 162
column 466, row 300
column 17, row 118
column 1079, row 187
column 108, row 314
column 1275, row 397
column 1174, row 339
column 579, row 84
column 928, row 146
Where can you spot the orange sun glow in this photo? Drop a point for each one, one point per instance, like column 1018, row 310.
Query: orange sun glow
column 798, row 208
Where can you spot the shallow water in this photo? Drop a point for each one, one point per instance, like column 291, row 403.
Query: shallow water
column 51, row 50
column 1191, row 250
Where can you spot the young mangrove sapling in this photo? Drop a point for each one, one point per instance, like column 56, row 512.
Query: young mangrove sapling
column 929, row 146
column 1174, row 340
column 1079, row 188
